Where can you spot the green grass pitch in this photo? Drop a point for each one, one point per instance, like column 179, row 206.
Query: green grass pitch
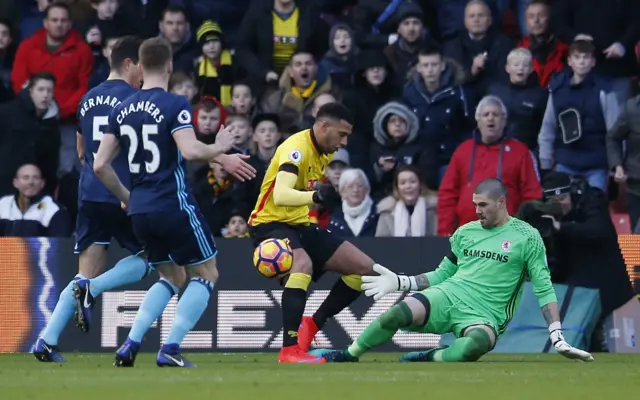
column 377, row 376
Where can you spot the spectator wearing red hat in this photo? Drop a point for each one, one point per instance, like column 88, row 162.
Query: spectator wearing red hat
column 490, row 154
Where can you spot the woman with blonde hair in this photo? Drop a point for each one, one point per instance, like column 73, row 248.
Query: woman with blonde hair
column 357, row 216
column 411, row 210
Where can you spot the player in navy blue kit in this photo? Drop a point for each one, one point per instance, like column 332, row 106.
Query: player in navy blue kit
column 100, row 216
column 154, row 128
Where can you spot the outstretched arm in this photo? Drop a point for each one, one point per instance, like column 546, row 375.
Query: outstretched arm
column 536, row 260
column 388, row 281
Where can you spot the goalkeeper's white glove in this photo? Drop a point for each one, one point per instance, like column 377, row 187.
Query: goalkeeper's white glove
column 563, row 348
column 387, row 282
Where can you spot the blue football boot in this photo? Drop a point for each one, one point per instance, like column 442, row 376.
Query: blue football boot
column 47, row 353
column 339, row 356
column 84, row 304
column 421, row 356
column 169, row 356
column 126, row 354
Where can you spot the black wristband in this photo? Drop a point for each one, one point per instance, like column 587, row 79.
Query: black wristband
column 316, row 198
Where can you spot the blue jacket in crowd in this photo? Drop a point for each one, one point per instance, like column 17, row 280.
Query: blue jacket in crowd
column 598, row 109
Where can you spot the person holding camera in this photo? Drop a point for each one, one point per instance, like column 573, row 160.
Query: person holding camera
column 584, row 241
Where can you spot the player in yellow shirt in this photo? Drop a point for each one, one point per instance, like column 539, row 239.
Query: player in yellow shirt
column 290, row 186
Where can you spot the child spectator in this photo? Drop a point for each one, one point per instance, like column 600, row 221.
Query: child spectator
column 214, row 194
column 581, row 109
column 215, row 68
column 208, row 115
column 244, row 131
column 243, row 101
column 237, row 226
column 526, row 101
column 266, row 138
column 339, row 62
column 182, row 84
column 395, row 130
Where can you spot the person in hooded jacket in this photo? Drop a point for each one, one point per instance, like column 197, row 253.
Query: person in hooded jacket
column 373, row 82
column 395, row 130
column 435, row 94
column 489, row 154
column 526, row 101
column 340, row 60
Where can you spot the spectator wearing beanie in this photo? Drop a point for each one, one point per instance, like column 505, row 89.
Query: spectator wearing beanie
column 373, row 82
column 215, row 68
column 403, row 54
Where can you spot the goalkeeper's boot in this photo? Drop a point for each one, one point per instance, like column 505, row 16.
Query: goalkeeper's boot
column 341, row 356
column 84, row 304
column 47, row 353
column 169, row 356
column 306, row 333
column 421, row 356
column 126, row 354
column 295, row 355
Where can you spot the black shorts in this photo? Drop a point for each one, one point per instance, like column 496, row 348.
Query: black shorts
column 180, row 237
column 97, row 223
column 319, row 244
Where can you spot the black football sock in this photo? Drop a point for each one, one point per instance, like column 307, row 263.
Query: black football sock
column 294, row 299
column 293, row 303
column 339, row 298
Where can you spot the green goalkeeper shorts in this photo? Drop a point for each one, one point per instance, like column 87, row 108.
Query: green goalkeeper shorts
column 449, row 315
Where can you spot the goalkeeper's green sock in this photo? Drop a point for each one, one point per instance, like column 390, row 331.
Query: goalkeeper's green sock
column 471, row 347
column 382, row 329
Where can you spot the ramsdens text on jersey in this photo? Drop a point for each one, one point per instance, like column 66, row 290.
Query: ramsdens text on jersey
column 145, row 106
column 98, row 101
column 486, row 254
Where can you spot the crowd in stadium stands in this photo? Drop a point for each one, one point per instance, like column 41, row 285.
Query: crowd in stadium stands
column 445, row 93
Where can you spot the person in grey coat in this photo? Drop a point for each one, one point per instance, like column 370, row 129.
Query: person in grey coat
column 627, row 129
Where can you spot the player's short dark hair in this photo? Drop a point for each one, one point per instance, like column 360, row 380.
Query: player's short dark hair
column 155, row 54
column 539, row 2
column 174, row 9
column 125, row 47
column 58, row 5
column 41, row 76
column 335, row 111
column 492, row 187
column 430, row 49
column 582, row 46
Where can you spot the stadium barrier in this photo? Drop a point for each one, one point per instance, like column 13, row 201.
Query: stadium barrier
column 243, row 314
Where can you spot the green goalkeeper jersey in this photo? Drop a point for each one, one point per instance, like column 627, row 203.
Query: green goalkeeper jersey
column 487, row 268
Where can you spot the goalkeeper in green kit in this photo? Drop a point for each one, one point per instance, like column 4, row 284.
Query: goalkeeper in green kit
column 473, row 293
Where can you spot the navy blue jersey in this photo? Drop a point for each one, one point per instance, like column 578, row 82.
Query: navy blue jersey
column 93, row 117
column 145, row 124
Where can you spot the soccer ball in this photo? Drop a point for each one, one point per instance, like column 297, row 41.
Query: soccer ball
column 273, row 258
